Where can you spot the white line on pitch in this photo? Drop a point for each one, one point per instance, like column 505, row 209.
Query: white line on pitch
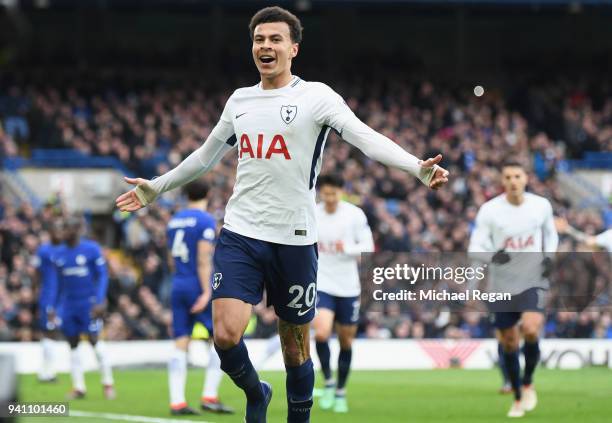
column 131, row 418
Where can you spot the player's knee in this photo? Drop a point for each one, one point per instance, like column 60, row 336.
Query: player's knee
column 322, row 335
column 226, row 338
column 346, row 342
column 510, row 346
column 510, row 341
column 182, row 343
column 531, row 332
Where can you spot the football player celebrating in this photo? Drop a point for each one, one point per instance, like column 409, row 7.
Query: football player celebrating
column 279, row 127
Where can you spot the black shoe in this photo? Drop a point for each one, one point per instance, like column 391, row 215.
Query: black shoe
column 216, row 407
column 184, row 411
column 52, row 379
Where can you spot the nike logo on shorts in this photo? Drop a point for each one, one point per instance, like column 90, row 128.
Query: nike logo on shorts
column 241, row 114
column 303, row 312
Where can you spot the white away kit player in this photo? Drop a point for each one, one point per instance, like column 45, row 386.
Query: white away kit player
column 278, row 129
column 515, row 232
column 343, row 235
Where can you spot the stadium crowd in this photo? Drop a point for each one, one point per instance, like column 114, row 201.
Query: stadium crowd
column 151, row 128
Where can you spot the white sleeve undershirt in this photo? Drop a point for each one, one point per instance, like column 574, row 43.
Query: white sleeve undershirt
column 382, row 149
column 196, row 164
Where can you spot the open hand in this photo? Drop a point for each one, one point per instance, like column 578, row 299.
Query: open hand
column 130, row 201
column 440, row 176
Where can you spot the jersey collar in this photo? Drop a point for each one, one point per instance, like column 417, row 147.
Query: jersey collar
column 292, row 83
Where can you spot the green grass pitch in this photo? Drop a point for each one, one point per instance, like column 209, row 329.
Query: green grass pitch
column 449, row 396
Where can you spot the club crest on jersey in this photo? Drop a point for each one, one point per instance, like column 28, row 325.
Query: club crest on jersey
column 217, row 280
column 288, row 113
column 80, row 260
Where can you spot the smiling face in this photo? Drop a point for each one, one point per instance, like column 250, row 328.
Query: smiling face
column 273, row 51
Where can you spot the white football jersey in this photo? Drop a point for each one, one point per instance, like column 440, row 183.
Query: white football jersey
column 338, row 265
column 604, row 240
column 280, row 135
column 526, row 228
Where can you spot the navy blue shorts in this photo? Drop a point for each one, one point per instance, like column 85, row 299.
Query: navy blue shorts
column 182, row 319
column 346, row 309
column 244, row 266
column 76, row 320
column 533, row 299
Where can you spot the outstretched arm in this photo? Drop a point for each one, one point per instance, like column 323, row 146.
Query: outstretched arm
column 196, row 164
column 382, row 149
column 219, row 142
column 331, row 110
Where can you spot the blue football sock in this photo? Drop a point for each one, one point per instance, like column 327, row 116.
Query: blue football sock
column 324, row 356
column 532, row 358
column 513, row 366
column 236, row 363
column 344, row 366
column 502, row 365
column 300, row 383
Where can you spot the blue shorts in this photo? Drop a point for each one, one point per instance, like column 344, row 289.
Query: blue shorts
column 44, row 324
column 244, row 266
column 182, row 318
column 533, row 299
column 346, row 309
column 76, row 320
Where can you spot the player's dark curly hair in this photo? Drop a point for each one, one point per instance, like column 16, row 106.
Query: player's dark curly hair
column 196, row 190
column 331, row 180
column 278, row 14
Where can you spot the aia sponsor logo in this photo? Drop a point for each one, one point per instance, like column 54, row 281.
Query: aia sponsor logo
column 447, row 354
column 518, row 243
column 331, row 247
column 263, row 149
